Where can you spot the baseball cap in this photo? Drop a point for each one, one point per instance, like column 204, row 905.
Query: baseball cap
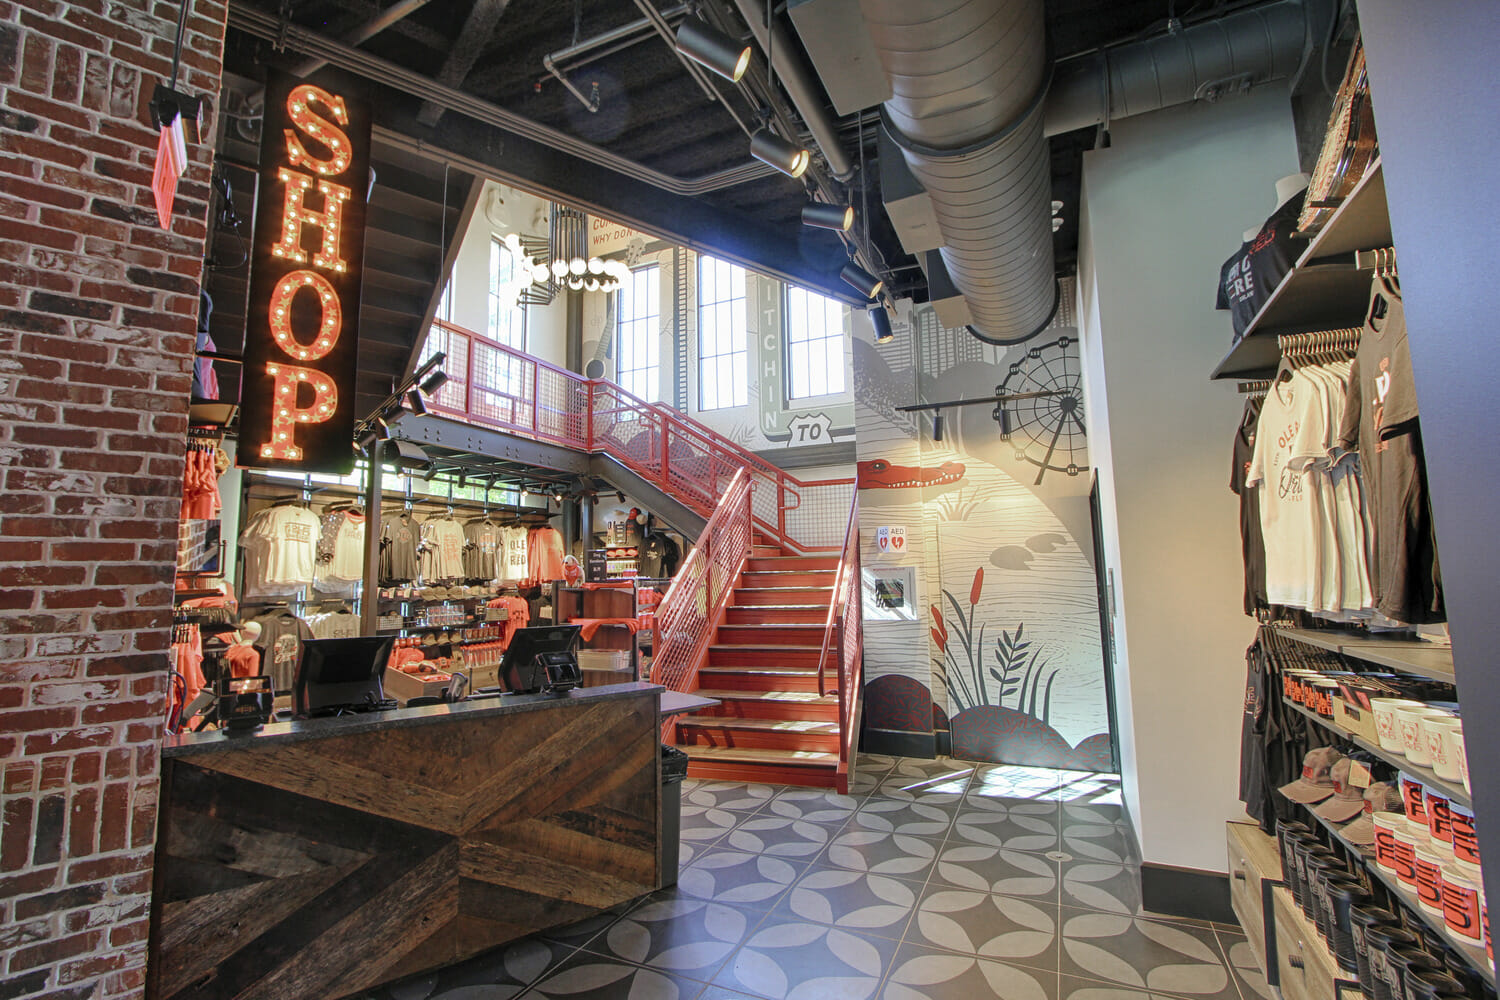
column 1379, row 797
column 1316, row 783
column 1348, row 800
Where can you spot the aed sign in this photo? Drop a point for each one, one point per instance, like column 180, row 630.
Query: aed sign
column 302, row 336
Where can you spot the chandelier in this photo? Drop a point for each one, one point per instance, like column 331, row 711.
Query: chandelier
column 564, row 260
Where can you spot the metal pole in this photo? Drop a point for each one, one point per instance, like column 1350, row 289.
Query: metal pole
column 369, row 605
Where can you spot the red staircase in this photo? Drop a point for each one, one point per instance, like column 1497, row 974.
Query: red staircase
column 772, row 725
column 763, row 615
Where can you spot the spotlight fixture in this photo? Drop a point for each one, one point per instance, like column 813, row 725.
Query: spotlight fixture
column 937, row 426
column 881, row 320
column 381, row 428
column 434, row 382
column 407, row 456
column 826, row 216
column 712, row 49
column 525, row 493
column 621, row 495
column 416, row 403
column 463, row 478
column 863, row 281
column 784, row 155
column 368, row 440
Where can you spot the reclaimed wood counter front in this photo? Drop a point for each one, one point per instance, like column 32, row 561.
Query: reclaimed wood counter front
column 318, row 859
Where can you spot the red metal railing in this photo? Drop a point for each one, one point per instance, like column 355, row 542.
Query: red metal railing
column 693, row 608
column 843, row 641
column 491, row 384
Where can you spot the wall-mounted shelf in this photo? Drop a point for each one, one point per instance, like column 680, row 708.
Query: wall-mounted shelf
column 1318, row 294
column 1473, row 955
column 1412, row 656
column 1452, row 789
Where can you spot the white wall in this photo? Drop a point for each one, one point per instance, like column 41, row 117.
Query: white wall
column 1165, row 205
column 502, row 210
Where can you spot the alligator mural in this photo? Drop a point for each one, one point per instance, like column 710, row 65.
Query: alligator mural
column 882, row 475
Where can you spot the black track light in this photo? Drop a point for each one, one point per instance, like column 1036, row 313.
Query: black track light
column 937, row 426
column 463, row 478
column 711, row 48
column 368, row 440
column 434, row 382
column 826, row 216
column 881, row 320
column 415, row 401
column 768, row 147
column 381, row 428
column 621, row 495
column 863, row 281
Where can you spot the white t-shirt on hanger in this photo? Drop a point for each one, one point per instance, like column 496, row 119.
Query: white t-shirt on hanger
column 1287, row 443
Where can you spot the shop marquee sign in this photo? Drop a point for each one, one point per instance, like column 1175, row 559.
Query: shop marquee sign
column 301, row 340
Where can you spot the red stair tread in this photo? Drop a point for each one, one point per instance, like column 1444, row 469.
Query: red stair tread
column 785, row 758
column 806, row 727
column 804, row 697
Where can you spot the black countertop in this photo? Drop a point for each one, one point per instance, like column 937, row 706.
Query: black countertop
column 187, row 744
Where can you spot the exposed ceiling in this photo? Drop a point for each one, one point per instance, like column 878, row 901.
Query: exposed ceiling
column 650, row 111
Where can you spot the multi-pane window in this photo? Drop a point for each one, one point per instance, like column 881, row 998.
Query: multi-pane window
column 723, row 359
column 507, row 316
column 638, row 333
column 815, row 344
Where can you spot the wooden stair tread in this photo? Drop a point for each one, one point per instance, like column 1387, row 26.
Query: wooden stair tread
column 793, row 587
column 793, row 758
column 773, row 625
column 804, row 727
column 767, row 671
column 802, row 697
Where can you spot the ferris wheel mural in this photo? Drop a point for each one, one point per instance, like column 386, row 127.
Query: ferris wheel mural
column 1046, row 431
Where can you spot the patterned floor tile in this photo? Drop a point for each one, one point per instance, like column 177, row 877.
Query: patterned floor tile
column 687, row 937
column 1038, row 783
column 1110, row 840
column 814, row 805
column 857, row 901
column 720, row 993
column 1097, row 885
column 997, row 822
column 499, row 974
column 882, row 853
column 1073, row 988
column 706, row 824
column 914, row 819
column 925, row 974
column 980, row 923
column 946, row 768
column 736, row 796
column 581, row 932
column 1147, row 955
column 586, row 976
column 778, row 836
column 739, row 877
column 994, row 869
column 1242, row 962
column 941, row 789
column 808, row 961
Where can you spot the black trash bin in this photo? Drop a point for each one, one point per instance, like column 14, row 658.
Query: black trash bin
column 674, row 768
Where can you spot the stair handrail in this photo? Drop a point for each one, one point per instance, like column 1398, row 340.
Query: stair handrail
column 569, row 414
column 836, row 598
column 851, row 650
column 693, row 608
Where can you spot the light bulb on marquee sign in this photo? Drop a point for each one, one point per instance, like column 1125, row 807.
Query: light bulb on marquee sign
column 300, row 344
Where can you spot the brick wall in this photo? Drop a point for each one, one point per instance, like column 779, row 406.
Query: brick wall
column 97, row 312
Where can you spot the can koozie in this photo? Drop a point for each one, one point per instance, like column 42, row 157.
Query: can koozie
column 1405, row 864
column 1412, row 799
column 1439, row 815
column 1465, row 839
column 1461, row 907
column 1429, row 880
column 1385, row 839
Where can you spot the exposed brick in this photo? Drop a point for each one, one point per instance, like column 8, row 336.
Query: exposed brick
column 15, row 847
column 51, row 952
column 49, row 825
column 56, row 902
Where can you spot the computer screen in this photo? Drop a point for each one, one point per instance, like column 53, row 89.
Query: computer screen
column 525, row 645
column 341, row 673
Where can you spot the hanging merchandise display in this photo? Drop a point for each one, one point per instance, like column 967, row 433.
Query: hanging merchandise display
column 544, row 555
column 281, row 639
column 280, row 546
column 399, row 537
column 514, row 556
column 1262, row 262
column 481, row 546
column 442, row 549
column 1381, row 423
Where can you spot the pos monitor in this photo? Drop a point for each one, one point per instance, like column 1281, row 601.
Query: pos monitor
column 338, row 675
column 540, row 658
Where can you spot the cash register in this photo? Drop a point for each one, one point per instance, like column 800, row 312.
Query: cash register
column 542, row 658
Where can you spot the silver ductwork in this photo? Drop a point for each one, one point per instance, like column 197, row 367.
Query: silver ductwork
column 1205, row 62
column 970, row 111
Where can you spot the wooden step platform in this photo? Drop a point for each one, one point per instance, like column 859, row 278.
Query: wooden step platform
column 774, row 705
column 764, row 734
column 785, row 597
column 812, row 768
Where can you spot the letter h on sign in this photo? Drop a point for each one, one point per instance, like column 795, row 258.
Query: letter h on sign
column 301, row 342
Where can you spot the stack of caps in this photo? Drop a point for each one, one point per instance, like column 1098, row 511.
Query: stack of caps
column 1327, row 787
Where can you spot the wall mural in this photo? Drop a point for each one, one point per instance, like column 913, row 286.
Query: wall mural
column 1001, row 550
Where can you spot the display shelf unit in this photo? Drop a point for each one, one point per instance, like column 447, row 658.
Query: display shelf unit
column 1474, row 955
column 1427, row 775
column 1319, row 293
column 1411, row 656
column 606, row 602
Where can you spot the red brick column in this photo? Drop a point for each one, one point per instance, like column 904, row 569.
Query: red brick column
column 97, row 311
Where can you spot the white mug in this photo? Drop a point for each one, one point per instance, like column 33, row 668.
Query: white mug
column 1440, row 746
column 1386, row 726
column 1409, row 722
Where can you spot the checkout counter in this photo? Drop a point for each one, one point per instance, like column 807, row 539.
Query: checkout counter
column 319, row 858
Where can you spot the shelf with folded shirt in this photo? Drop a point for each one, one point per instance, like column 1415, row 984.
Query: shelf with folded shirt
column 1409, row 655
column 610, row 639
column 1325, row 289
column 1454, row 790
column 1474, row 955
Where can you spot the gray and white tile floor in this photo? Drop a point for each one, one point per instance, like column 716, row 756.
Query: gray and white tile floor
column 935, row 879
